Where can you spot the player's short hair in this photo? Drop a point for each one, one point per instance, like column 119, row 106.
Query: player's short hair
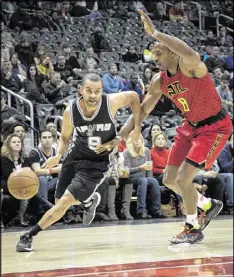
column 91, row 77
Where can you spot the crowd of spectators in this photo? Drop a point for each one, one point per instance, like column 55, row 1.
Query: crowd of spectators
column 48, row 72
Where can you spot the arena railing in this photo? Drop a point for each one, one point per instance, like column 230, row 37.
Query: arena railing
column 27, row 102
column 219, row 25
column 57, row 119
column 199, row 13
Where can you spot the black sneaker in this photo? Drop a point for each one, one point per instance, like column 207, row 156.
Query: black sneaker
column 24, row 244
column 69, row 217
column 188, row 235
column 206, row 216
column 89, row 213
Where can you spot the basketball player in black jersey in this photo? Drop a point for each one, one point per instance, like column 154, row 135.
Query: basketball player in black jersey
column 85, row 167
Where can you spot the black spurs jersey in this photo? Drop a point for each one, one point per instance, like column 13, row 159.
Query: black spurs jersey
column 90, row 132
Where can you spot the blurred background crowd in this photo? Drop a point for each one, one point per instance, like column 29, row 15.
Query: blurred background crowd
column 46, row 50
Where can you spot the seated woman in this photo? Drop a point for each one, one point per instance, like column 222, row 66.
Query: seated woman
column 137, row 160
column 13, row 158
column 33, row 85
column 149, row 57
column 45, row 67
column 40, row 51
column 159, row 155
column 17, row 67
column 153, row 129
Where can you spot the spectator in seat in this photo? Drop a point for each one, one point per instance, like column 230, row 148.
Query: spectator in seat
column 53, row 91
column 160, row 13
column 99, row 42
column 225, row 93
column 177, row 12
column 159, row 155
column 214, row 60
column 224, row 39
column 217, row 75
column 7, row 40
column 210, row 39
column 9, row 115
column 71, row 59
column 53, row 129
column 20, row 19
column 45, row 67
column 148, row 56
column 137, row 160
column 131, row 56
column 55, row 23
column 40, row 51
column 154, row 128
column 25, row 49
column 66, row 71
column 12, row 158
column 229, row 60
column 135, row 84
column 33, row 86
column 112, row 83
column 17, row 67
column 91, row 62
column 225, row 161
column 38, row 156
column 146, row 77
column 9, row 79
column 207, row 54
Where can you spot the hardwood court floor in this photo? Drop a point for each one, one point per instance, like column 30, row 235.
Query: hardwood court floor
column 139, row 250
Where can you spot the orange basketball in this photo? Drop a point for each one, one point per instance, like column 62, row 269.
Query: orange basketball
column 23, row 183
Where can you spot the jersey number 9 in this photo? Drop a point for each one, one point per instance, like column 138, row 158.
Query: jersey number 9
column 93, row 142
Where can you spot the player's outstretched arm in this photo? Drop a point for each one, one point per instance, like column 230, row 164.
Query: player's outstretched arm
column 174, row 44
column 128, row 98
column 149, row 102
column 64, row 140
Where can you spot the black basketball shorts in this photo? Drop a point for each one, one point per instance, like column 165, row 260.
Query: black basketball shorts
column 81, row 178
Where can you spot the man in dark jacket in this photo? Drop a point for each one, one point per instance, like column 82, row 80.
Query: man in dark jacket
column 99, row 42
column 54, row 91
column 225, row 161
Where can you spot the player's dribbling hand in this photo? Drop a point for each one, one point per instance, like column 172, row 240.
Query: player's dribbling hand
column 51, row 162
column 107, row 146
column 148, row 24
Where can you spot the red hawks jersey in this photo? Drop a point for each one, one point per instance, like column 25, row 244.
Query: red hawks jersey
column 197, row 99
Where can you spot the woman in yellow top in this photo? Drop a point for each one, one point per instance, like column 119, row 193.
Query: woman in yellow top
column 147, row 54
column 45, row 67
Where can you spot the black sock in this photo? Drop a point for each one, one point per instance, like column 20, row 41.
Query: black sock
column 34, row 231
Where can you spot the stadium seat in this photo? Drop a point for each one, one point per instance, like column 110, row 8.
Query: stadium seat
column 110, row 57
column 114, row 31
column 170, row 133
column 43, row 111
column 128, row 67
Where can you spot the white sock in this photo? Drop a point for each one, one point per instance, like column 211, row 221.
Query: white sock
column 203, row 202
column 192, row 219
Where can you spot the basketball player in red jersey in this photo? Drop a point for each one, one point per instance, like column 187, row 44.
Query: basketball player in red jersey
column 204, row 131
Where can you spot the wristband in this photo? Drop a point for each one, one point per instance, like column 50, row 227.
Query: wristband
column 118, row 137
column 155, row 34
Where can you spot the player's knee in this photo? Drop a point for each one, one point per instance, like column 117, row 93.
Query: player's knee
column 168, row 181
column 183, row 180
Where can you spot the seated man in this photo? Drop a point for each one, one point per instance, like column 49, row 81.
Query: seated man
column 225, row 93
column 136, row 85
column 38, row 156
column 112, row 83
column 54, row 91
column 225, row 161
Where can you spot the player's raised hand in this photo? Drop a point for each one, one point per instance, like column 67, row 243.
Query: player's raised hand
column 148, row 24
column 51, row 162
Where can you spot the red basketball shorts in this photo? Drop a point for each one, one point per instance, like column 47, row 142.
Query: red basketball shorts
column 200, row 145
